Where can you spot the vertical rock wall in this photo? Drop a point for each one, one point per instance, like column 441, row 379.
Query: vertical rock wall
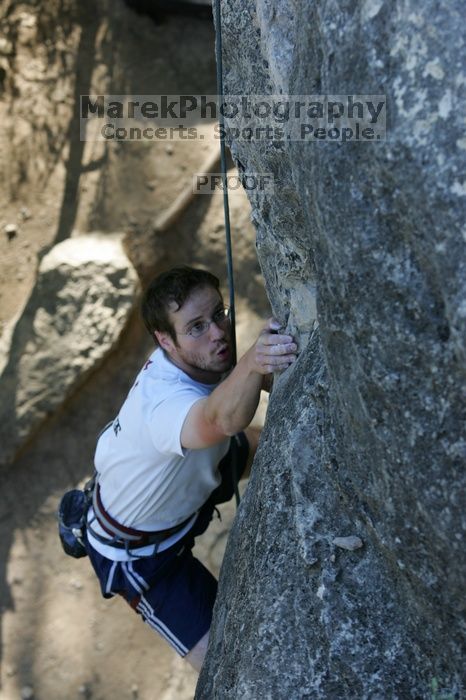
column 365, row 435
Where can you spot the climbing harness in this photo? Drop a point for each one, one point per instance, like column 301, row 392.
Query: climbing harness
column 226, row 211
column 73, row 521
column 124, row 537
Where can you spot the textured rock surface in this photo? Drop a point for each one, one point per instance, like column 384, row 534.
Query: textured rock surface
column 81, row 302
column 365, row 435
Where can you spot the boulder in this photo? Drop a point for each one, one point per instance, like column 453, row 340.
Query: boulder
column 83, row 297
column 365, row 437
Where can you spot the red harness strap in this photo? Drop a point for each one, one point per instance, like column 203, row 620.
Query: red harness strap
column 135, row 538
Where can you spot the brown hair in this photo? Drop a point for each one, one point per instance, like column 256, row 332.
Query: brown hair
column 174, row 285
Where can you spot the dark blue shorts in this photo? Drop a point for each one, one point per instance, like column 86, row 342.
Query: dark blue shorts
column 172, row 591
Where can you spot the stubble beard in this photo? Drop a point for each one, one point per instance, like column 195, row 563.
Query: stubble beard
column 199, row 361
column 208, row 362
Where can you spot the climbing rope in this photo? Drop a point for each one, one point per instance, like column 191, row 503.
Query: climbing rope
column 226, row 211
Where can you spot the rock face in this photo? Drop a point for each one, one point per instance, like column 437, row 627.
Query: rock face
column 365, row 436
column 83, row 297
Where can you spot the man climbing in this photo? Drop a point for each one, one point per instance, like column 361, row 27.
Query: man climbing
column 166, row 460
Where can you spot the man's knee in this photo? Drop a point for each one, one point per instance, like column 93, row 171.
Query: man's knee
column 197, row 654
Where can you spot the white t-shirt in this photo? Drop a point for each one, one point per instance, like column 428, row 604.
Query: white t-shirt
column 148, row 480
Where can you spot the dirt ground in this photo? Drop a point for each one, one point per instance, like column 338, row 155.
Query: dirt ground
column 59, row 638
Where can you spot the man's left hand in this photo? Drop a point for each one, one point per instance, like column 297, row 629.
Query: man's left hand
column 272, row 352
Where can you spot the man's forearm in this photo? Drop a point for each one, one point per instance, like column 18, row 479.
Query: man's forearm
column 231, row 406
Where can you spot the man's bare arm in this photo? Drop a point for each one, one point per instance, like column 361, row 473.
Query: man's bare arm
column 231, row 406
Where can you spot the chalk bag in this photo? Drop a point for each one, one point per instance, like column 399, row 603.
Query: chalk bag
column 72, row 522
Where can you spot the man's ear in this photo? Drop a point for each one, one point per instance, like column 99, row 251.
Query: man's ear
column 165, row 341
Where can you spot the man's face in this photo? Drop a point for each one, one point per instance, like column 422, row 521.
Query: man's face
column 207, row 357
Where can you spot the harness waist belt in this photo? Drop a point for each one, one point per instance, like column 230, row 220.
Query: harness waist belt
column 129, row 535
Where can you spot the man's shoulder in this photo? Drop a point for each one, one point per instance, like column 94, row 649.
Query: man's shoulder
column 159, row 377
column 159, row 367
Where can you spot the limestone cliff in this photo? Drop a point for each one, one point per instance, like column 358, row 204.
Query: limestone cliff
column 365, row 435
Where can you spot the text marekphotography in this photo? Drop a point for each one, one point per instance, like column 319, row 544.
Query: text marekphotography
column 306, row 118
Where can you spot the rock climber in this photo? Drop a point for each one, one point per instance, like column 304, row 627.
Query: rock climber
column 165, row 462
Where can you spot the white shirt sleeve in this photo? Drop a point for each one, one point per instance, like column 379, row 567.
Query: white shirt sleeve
column 167, row 417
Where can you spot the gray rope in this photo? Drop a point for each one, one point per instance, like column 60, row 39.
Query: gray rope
column 226, row 210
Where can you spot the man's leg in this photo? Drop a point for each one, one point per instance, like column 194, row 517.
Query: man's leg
column 173, row 592
column 197, row 654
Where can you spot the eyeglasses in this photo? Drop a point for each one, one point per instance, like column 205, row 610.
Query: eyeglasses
column 220, row 318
